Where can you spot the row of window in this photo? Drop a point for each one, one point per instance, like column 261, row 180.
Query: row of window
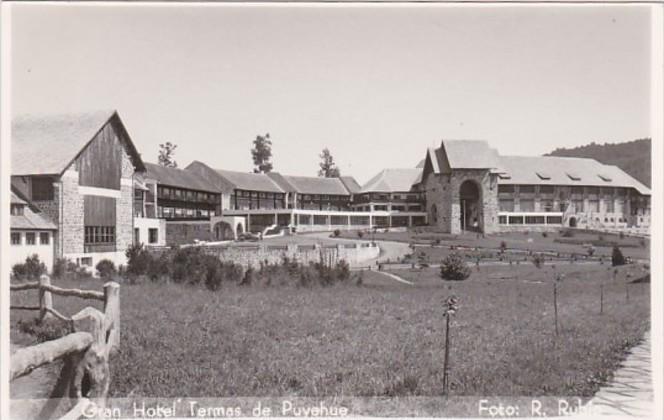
column 99, row 235
column 183, row 194
column 31, row 238
column 530, row 220
column 549, row 189
column 578, row 206
column 178, row 212
column 257, row 194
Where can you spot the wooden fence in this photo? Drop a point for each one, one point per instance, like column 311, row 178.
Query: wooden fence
column 85, row 375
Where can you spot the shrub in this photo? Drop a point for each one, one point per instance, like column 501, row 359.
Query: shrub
column 31, row 269
column 454, row 267
column 617, row 257
column 591, row 251
column 545, row 234
column 60, row 267
column 138, row 260
column 49, row 329
column 643, row 243
column 342, row 270
column 106, row 269
column 360, row 278
column 503, row 246
column 600, row 238
column 621, row 235
column 567, row 233
column 360, row 234
column 336, row 233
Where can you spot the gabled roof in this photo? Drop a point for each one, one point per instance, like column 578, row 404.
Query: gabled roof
column 317, row 185
column 555, row 170
column 351, row 184
column 470, row 154
column 47, row 145
column 32, row 218
column 249, row 181
column 282, row 182
column 393, row 180
column 180, row 178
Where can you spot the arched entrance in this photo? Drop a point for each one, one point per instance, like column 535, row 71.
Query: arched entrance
column 223, row 231
column 572, row 222
column 469, row 200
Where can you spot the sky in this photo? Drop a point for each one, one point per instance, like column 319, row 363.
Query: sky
column 376, row 84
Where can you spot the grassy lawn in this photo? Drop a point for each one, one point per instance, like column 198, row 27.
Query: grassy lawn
column 554, row 241
column 379, row 339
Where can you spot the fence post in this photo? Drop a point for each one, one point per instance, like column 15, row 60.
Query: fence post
column 94, row 364
column 45, row 298
column 112, row 314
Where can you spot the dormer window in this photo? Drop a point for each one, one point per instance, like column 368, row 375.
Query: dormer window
column 504, row 176
column 543, row 176
column 604, row 178
column 573, row 176
column 17, row 209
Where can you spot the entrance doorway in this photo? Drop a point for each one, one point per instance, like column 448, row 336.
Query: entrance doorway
column 469, row 198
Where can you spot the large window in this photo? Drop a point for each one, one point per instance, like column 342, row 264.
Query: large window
column 527, row 189
column 16, row 238
column 42, row 189
column 44, row 238
column 546, row 205
column 593, row 206
column 99, row 235
column 506, row 204
column 546, row 189
column 527, row 205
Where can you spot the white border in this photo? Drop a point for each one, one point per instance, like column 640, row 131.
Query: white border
column 657, row 135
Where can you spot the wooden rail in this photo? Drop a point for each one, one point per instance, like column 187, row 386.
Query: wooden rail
column 85, row 376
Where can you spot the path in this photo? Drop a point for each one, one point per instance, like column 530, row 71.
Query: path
column 630, row 393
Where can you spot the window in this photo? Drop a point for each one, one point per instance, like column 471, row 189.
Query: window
column 153, row 235
column 30, row 238
column 44, row 238
column 577, row 190
column 506, row 204
column 16, row 238
column 502, row 220
column 546, row 205
column 506, row 188
column 534, row 220
column 42, row 189
column 578, row 205
column 593, row 206
column 86, row 261
column 546, row 189
column 527, row 205
column 17, row 209
column 397, row 197
column 527, row 189
column 516, row 220
column 99, row 235
column 609, row 205
column 592, row 190
column 554, row 220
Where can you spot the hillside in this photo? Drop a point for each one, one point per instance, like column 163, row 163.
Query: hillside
column 632, row 157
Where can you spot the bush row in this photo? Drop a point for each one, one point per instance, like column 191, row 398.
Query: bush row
column 193, row 265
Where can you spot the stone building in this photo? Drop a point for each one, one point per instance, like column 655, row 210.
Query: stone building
column 469, row 187
column 78, row 170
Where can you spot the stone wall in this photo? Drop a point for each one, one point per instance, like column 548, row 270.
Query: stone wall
column 354, row 254
column 124, row 210
column 71, row 228
column 180, row 233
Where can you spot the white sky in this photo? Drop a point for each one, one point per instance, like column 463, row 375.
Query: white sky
column 375, row 84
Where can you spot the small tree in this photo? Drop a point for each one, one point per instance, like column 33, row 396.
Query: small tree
column 617, row 257
column 538, row 260
column 262, row 154
column 454, row 267
column 166, row 152
column 328, row 168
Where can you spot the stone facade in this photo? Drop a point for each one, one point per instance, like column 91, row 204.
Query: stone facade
column 71, row 226
column 444, row 202
column 124, row 211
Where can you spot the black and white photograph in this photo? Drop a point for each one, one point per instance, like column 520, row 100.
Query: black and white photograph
column 338, row 210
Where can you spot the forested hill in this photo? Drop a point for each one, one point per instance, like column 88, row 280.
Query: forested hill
column 632, row 157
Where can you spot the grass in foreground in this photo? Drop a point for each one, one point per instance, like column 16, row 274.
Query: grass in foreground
column 381, row 339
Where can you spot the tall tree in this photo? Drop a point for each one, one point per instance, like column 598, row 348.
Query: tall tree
column 262, row 154
column 328, row 168
column 166, row 152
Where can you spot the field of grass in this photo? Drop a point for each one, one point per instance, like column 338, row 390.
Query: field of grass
column 554, row 241
column 380, row 339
